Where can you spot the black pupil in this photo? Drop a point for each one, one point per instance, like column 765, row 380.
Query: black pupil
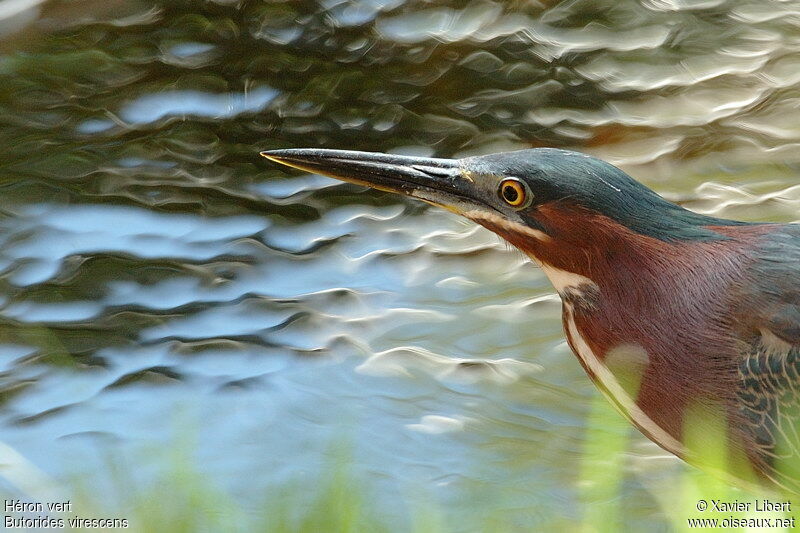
column 510, row 193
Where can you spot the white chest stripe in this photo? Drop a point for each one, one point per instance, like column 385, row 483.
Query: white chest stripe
column 618, row 396
column 616, row 393
column 561, row 279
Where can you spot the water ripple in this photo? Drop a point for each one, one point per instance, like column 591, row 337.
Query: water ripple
column 153, row 107
column 152, row 262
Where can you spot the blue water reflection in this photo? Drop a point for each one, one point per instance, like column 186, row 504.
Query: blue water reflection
column 153, row 107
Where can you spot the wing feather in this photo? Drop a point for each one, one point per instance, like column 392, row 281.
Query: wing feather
column 769, row 369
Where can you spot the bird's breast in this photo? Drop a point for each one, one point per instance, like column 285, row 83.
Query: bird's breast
column 617, row 372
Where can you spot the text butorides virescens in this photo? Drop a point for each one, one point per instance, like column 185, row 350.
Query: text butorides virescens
column 673, row 314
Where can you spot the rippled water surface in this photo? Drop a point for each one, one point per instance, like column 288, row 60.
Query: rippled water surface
column 158, row 278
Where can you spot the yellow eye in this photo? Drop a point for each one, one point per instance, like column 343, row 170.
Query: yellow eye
column 513, row 192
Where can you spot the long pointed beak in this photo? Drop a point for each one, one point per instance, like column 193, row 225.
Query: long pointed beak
column 438, row 181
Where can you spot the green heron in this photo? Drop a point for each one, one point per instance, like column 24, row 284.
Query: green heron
column 676, row 316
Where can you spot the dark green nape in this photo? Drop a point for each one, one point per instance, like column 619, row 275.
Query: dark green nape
column 568, row 177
